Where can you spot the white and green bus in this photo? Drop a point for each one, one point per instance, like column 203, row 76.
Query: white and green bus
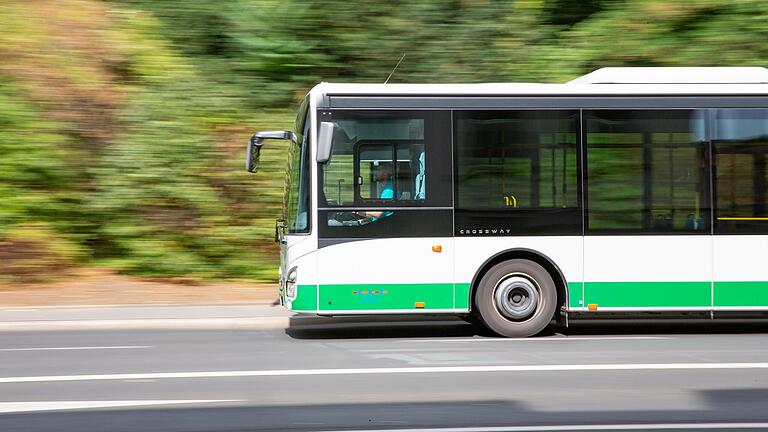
column 626, row 190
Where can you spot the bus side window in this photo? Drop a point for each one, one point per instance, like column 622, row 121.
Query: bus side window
column 377, row 178
column 375, row 172
column 740, row 147
column 394, row 170
column 386, row 172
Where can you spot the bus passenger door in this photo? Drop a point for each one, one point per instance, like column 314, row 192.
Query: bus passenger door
column 385, row 219
column 648, row 244
column 740, row 147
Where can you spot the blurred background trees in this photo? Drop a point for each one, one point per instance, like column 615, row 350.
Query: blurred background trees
column 123, row 122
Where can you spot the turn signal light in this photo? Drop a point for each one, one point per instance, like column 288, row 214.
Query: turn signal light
column 419, row 305
column 592, row 306
column 437, row 248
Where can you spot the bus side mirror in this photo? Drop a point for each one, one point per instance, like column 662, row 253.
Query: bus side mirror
column 325, row 141
column 252, row 154
column 257, row 140
column 280, row 231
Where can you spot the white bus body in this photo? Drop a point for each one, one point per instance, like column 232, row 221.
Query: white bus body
column 626, row 190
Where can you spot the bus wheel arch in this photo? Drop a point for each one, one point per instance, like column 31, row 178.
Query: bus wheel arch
column 527, row 254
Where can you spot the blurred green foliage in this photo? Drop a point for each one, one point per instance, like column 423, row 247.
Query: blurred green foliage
column 123, row 122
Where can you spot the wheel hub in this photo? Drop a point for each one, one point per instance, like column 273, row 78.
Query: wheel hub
column 516, row 297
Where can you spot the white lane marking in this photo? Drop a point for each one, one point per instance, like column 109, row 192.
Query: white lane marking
column 77, row 348
column 15, row 407
column 540, row 339
column 390, row 370
column 656, row 426
column 400, row 350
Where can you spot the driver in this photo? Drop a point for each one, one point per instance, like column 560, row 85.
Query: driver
column 383, row 177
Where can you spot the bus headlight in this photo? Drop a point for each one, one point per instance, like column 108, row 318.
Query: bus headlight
column 290, row 283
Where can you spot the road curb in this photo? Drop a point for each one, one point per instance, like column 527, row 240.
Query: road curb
column 148, row 324
column 136, row 305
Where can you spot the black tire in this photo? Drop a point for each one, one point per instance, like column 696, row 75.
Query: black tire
column 503, row 298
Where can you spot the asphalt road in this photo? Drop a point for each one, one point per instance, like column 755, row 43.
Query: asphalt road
column 327, row 375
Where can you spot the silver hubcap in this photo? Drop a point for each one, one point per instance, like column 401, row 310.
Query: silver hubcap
column 516, row 296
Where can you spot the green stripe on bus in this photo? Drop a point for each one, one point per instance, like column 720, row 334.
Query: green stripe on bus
column 575, row 294
column 752, row 293
column 306, row 298
column 386, row 296
column 461, row 296
column 604, row 294
column 648, row 294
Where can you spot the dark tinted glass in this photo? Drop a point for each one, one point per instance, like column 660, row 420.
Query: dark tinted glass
column 647, row 171
column 388, row 158
column 296, row 199
column 517, row 172
column 398, row 222
column 387, row 173
column 740, row 147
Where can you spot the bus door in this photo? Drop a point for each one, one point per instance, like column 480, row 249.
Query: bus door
column 648, row 243
column 385, row 218
column 740, row 148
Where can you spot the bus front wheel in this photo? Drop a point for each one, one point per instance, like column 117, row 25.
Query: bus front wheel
column 516, row 298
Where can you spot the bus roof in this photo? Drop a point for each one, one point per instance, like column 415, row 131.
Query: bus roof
column 675, row 75
column 605, row 81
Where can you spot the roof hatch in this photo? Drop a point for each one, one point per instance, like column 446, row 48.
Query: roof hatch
column 675, row 75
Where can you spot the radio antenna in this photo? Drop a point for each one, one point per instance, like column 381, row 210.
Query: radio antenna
column 393, row 70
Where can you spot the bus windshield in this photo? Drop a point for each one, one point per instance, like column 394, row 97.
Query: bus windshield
column 296, row 194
